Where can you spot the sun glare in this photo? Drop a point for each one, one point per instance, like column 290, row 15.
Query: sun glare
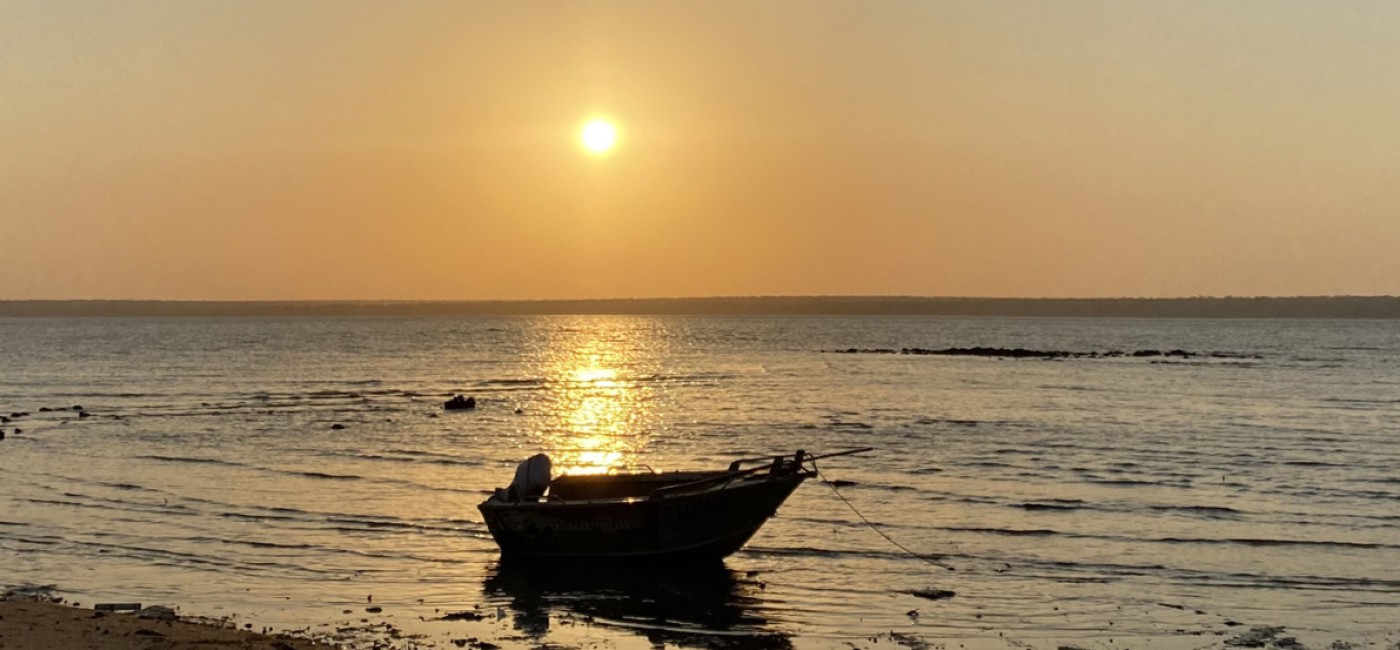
column 598, row 136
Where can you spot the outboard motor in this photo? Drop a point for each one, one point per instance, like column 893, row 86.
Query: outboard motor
column 531, row 479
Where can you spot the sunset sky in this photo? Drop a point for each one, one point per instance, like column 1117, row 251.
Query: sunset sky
column 430, row 150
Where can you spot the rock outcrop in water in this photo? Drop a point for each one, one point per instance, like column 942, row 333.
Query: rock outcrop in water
column 460, row 403
column 1023, row 353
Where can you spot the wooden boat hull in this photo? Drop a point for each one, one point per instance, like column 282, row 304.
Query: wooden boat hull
column 695, row 525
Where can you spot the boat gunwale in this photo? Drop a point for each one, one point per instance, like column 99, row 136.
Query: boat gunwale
column 731, row 483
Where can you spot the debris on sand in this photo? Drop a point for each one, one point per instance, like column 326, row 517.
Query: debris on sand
column 474, row 643
column 1255, row 637
column 461, row 616
column 30, row 592
column 907, row 640
column 932, row 594
column 157, row 613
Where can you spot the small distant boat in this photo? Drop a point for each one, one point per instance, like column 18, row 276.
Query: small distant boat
column 641, row 516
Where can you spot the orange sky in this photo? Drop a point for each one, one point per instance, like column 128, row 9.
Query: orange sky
column 427, row 150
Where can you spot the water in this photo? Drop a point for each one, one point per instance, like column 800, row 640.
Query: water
column 1109, row 503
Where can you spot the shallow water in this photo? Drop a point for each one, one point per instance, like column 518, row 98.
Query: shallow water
column 1099, row 501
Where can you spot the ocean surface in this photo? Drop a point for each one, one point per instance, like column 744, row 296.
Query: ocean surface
column 1101, row 502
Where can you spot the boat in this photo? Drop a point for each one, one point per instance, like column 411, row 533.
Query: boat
column 641, row 515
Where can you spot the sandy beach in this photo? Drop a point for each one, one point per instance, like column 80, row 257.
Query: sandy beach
column 47, row 625
column 29, row 623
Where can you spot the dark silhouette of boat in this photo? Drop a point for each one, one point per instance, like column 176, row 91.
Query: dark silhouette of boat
column 641, row 516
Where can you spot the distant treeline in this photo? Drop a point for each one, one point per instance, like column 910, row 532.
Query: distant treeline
column 1228, row 307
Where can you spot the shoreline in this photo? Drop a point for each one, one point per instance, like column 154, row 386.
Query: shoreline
column 36, row 620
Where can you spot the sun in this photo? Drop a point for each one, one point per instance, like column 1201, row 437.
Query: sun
column 598, row 136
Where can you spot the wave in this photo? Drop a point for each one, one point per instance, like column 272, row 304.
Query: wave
column 844, row 484
column 988, row 464
column 126, row 486
column 219, row 564
column 1130, row 482
column 1311, row 463
column 810, row 551
column 360, row 524
column 418, row 461
column 248, row 542
column 434, row 457
column 956, row 422
column 329, row 394
column 1216, row 511
column 1290, row 583
column 1053, row 505
column 512, row 382
column 189, row 459
column 1241, row 541
column 56, row 502
column 334, row 477
column 1049, row 506
column 1015, row 532
column 1252, row 541
column 258, row 517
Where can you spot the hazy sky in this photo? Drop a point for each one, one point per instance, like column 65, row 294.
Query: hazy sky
column 428, row 150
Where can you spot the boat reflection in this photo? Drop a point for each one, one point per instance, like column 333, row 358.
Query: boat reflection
column 702, row 606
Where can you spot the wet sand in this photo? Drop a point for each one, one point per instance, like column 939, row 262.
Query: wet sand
column 43, row 625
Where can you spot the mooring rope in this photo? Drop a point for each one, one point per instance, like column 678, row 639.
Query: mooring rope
column 872, row 525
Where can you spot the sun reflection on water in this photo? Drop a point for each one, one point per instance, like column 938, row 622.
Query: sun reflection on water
column 600, row 373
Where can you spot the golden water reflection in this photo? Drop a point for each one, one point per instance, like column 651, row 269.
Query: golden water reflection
column 601, row 375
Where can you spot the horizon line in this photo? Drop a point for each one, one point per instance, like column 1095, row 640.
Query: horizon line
column 1340, row 296
column 1361, row 307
